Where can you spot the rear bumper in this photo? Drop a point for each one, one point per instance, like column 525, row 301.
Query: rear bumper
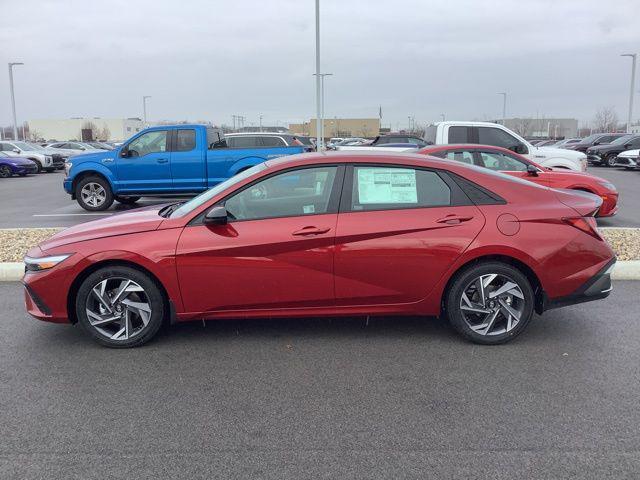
column 597, row 287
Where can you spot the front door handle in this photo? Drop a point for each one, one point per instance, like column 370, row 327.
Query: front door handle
column 454, row 219
column 162, row 160
column 311, row 231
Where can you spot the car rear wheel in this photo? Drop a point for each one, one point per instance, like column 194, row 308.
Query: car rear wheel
column 94, row 194
column 5, row 171
column 126, row 200
column 120, row 307
column 490, row 303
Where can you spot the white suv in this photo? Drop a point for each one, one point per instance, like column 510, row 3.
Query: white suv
column 484, row 133
column 43, row 159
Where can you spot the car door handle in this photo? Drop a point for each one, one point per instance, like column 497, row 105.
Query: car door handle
column 311, row 231
column 454, row 219
column 162, row 160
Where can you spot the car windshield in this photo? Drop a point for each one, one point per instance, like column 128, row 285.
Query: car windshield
column 204, row 197
column 591, row 138
column 622, row 140
column 24, row 146
column 36, row 147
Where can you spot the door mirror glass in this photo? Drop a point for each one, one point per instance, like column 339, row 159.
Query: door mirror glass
column 124, row 153
column 532, row 170
column 16, row 150
column 216, row 216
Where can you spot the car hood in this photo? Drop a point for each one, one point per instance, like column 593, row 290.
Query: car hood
column 558, row 152
column 94, row 156
column 134, row 221
column 630, row 153
column 16, row 160
column 607, row 147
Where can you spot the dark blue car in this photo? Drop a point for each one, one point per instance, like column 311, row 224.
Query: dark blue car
column 10, row 165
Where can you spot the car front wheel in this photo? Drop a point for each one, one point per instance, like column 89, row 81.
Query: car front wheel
column 490, row 303
column 5, row 171
column 610, row 160
column 120, row 307
column 94, row 194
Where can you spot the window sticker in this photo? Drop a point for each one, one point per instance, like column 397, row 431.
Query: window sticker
column 308, row 208
column 387, row 185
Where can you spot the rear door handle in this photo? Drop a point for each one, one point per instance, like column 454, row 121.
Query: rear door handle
column 311, row 231
column 454, row 219
column 162, row 160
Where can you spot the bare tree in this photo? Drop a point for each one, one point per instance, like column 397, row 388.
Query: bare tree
column 103, row 133
column 523, row 126
column 606, row 120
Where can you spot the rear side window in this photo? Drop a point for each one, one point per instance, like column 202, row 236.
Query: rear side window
column 185, row 140
column 272, row 142
column 244, row 141
column 462, row 157
column 459, row 135
column 386, row 188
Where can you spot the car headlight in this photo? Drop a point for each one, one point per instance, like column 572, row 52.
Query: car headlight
column 67, row 168
column 607, row 185
column 44, row 263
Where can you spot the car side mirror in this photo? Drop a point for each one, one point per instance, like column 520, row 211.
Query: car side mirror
column 16, row 150
column 532, row 170
column 216, row 216
column 124, row 153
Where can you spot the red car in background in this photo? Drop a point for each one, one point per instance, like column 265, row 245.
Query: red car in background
column 330, row 234
column 506, row 161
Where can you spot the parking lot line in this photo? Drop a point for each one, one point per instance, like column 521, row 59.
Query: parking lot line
column 70, row 214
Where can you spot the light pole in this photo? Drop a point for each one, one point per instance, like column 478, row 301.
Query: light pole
column 442, row 115
column 504, row 106
column 144, row 108
column 633, row 81
column 319, row 142
column 322, row 75
column 260, row 122
column 13, row 99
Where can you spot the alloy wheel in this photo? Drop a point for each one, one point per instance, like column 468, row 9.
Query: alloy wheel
column 118, row 308
column 492, row 304
column 93, row 194
column 5, row 171
column 611, row 160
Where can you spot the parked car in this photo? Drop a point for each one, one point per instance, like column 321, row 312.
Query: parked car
column 594, row 140
column 266, row 140
column 100, row 145
column 75, row 148
column 319, row 234
column 13, row 165
column 566, row 142
column 546, row 143
column 606, row 154
column 443, row 133
column 629, row 159
column 506, row 161
column 160, row 161
column 398, row 138
column 44, row 160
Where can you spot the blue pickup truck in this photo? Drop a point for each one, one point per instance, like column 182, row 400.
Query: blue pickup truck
column 161, row 161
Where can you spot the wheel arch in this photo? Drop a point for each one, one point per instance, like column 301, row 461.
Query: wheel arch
column 75, row 285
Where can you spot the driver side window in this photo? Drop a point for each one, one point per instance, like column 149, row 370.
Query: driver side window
column 150, row 142
column 497, row 137
column 295, row 193
column 501, row 162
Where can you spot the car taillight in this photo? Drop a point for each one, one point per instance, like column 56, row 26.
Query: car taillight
column 586, row 224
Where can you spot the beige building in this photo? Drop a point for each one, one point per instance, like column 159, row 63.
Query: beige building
column 339, row 127
column 85, row 128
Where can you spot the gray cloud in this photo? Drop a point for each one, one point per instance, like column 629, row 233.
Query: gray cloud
column 211, row 59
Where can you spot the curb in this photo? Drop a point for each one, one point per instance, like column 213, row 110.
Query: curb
column 624, row 270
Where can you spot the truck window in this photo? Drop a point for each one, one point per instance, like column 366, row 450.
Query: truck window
column 185, row 140
column 459, row 135
column 150, row 142
column 496, row 137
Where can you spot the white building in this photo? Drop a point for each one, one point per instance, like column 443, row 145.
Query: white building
column 85, row 128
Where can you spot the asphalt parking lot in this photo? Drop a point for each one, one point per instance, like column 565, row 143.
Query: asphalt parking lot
column 325, row 398
column 40, row 201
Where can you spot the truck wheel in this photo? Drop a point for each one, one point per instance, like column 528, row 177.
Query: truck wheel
column 126, row 200
column 94, row 194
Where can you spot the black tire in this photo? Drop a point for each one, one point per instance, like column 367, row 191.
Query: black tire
column 115, row 274
column 462, row 281
column 38, row 165
column 126, row 200
column 22, row 174
column 5, row 171
column 609, row 160
column 96, row 180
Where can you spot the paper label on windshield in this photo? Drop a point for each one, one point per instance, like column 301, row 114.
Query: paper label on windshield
column 387, row 185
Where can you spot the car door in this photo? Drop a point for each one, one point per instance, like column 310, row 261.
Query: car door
column 187, row 160
column 145, row 166
column 276, row 251
column 399, row 230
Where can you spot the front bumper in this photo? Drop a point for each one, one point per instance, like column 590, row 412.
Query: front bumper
column 597, row 287
column 628, row 162
column 25, row 169
column 594, row 158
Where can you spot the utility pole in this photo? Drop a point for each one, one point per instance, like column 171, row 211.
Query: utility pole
column 633, row 81
column 144, row 108
column 319, row 141
column 13, row 99
column 260, row 122
column 442, row 115
column 504, row 106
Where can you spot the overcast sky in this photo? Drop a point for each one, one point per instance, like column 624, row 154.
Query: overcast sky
column 210, row 59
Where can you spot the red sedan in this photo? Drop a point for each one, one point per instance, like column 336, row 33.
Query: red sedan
column 330, row 234
column 506, row 161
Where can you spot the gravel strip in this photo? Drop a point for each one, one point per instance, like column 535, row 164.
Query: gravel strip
column 15, row 242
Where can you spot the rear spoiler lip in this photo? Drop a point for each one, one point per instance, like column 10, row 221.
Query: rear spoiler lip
column 584, row 203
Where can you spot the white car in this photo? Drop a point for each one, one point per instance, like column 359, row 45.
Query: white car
column 74, row 148
column 629, row 159
column 44, row 160
column 485, row 133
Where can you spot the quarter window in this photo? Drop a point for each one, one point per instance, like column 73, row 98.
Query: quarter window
column 272, row 142
column 501, row 162
column 185, row 140
column 150, row 142
column 382, row 188
column 295, row 193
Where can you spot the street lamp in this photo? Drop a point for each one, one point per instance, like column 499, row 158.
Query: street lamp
column 319, row 142
column 144, row 108
column 504, row 105
column 633, row 81
column 13, row 99
column 321, row 118
column 442, row 115
column 260, row 122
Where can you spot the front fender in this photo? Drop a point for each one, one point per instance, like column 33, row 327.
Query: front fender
column 92, row 167
column 558, row 162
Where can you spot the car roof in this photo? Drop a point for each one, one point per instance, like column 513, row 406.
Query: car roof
column 268, row 134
